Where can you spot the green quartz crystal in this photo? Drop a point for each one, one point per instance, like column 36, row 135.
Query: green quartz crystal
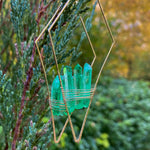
column 68, row 88
column 56, row 96
column 78, row 85
column 62, row 104
column 76, row 92
column 87, row 80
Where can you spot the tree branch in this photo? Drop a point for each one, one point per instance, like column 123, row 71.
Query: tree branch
column 1, row 4
column 26, row 88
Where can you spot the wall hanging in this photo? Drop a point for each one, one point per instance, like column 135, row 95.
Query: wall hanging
column 71, row 90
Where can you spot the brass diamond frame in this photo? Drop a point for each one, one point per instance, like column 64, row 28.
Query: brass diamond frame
column 52, row 22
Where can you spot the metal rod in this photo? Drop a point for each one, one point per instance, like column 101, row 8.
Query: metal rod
column 66, row 4
column 89, row 41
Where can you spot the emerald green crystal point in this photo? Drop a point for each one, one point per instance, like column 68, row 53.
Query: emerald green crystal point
column 56, row 96
column 77, row 69
column 87, row 75
column 78, row 86
column 68, row 88
column 77, row 90
column 87, row 68
column 87, row 80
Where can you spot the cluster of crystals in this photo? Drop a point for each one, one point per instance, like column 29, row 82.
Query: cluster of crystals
column 77, row 89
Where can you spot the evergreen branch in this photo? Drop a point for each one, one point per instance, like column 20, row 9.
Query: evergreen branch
column 35, row 5
column 6, row 143
column 42, row 10
column 7, row 44
column 7, row 67
column 1, row 116
column 17, row 127
column 21, row 93
column 26, row 88
column 1, row 4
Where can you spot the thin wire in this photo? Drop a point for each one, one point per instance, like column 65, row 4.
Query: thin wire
column 89, row 41
column 113, row 42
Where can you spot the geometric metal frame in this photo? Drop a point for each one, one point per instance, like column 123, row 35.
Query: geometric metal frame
column 52, row 22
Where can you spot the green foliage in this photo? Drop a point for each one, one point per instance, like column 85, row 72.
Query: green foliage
column 119, row 118
column 6, row 116
column 24, row 108
column 18, row 11
column 143, row 66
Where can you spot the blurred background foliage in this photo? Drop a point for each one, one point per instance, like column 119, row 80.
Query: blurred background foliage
column 119, row 116
column 129, row 21
column 118, row 120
